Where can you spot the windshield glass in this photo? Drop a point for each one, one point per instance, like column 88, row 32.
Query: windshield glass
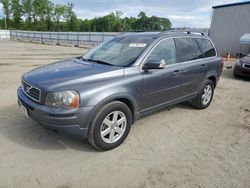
column 120, row 51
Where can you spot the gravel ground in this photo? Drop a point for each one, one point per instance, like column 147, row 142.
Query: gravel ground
column 176, row 147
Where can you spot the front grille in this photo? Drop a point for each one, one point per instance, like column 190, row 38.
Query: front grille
column 246, row 66
column 31, row 91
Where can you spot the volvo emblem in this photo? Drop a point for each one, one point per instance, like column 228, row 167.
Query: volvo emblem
column 28, row 89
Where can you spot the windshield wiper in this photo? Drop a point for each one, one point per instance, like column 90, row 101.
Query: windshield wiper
column 97, row 61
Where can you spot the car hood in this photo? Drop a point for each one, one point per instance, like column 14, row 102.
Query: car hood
column 245, row 60
column 70, row 72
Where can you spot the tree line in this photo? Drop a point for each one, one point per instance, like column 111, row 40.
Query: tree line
column 44, row 15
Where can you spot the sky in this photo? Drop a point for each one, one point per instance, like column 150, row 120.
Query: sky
column 182, row 13
column 188, row 13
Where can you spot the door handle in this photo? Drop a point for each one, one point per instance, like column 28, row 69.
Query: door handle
column 203, row 66
column 177, row 73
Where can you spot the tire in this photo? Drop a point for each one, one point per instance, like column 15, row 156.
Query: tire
column 110, row 126
column 235, row 73
column 199, row 102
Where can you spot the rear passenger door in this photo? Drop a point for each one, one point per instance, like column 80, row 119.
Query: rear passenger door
column 193, row 70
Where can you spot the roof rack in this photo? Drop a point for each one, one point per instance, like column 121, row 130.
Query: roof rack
column 180, row 32
column 196, row 33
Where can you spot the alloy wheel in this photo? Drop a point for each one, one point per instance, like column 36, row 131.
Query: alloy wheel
column 113, row 127
column 207, row 94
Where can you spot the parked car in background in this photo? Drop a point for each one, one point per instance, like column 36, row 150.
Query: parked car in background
column 99, row 95
column 242, row 67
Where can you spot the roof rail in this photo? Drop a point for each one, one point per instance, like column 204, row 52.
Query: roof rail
column 196, row 33
column 179, row 32
column 169, row 32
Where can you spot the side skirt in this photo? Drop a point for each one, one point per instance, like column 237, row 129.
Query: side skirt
column 152, row 109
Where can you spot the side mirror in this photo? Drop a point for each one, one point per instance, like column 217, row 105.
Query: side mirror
column 154, row 64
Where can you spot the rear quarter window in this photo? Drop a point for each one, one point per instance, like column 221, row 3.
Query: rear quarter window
column 207, row 48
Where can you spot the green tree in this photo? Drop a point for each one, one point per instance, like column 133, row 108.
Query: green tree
column 48, row 12
column 16, row 9
column 71, row 18
column 85, row 25
column 27, row 12
column 129, row 23
column 59, row 15
column 39, row 13
column 110, row 22
column 143, row 23
column 43, row 15
column 153, row 23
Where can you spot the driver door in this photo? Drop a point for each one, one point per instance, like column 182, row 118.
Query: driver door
column 161, row 86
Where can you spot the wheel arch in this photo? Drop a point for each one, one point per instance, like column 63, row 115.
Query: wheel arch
column 213, row 79
column 124, row 98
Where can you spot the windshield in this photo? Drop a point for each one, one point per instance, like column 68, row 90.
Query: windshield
column 120, row 51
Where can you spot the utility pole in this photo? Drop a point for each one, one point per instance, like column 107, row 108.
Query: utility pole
column 124, row 26
column 5, row 22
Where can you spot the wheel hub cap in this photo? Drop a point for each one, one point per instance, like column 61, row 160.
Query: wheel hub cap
column 207, row 95
column 113, row 127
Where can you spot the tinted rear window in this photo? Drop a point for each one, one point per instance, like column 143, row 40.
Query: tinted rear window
column 207, row 48
column 187, row 49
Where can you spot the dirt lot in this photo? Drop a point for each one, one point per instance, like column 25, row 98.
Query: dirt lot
column 177, row 147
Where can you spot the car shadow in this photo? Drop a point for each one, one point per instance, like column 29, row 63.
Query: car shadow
column 15, row 126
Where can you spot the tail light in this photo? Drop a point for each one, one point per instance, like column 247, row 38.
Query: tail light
column 221, row 63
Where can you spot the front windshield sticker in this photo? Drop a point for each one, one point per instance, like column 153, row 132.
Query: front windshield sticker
column 138, row 45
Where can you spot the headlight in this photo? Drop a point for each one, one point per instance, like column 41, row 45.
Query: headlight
column 63, row 99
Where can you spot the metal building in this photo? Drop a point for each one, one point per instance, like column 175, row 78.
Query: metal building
column 229, row 23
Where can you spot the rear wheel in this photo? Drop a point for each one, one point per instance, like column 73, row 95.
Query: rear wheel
column 110, row 126
column 205, row 96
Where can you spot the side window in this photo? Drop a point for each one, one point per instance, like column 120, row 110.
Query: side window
column 207, row 47
column 187, row 49
column 165, row 50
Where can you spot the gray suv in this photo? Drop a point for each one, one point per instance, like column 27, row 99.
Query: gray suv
column 98, row 96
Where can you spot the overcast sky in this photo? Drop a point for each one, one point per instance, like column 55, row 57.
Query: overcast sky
column 187, row 13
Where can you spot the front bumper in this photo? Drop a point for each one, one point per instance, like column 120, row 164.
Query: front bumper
column 241, row 71
column 70, row 121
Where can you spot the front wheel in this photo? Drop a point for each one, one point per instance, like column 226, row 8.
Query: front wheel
column 235, row 73
column 205, row 96
column 110, row 126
